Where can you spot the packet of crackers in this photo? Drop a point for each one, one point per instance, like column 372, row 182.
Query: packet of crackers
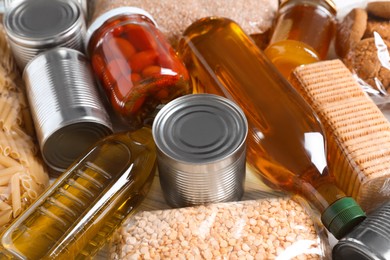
column 23, row 175
column 363, row 43
column 267, row 228
column 357, row 132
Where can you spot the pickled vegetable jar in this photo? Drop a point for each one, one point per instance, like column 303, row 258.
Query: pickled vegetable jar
column 134, row 63
column 302, row 33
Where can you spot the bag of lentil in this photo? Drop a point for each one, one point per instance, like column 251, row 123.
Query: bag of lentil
column 173, row 17
column 267, row 228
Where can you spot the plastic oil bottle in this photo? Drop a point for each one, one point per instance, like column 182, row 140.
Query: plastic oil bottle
column 79, row 212
column 286, row 143
column 302, row 33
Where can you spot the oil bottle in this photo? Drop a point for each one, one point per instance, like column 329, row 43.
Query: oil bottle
column 302, row 33
column 286, row 142
column 79, row 212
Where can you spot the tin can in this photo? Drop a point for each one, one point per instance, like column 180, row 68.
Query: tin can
column 35, row 26
column 68, row 113
column 201, row 141
column 370, row 240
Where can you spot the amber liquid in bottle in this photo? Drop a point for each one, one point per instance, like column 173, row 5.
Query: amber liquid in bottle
column 286, row 144
column 80, row 211
column 302, row 34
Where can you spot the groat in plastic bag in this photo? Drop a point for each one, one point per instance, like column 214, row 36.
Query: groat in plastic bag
column 173, row 17
column 266, row 228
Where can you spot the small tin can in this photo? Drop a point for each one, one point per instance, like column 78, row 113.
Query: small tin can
column 36, row 26
column 368, row 241
column 68, row 113
column 201, row 141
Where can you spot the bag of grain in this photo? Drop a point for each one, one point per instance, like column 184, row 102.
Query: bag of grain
column 266, row 228
column 173, row 17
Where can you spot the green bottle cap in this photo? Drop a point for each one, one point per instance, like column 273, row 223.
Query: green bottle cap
column 342, row 216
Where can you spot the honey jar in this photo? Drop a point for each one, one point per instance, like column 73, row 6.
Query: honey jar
column 302, row 33
column 134, row 63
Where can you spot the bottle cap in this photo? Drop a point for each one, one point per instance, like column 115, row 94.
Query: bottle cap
column 342, row 216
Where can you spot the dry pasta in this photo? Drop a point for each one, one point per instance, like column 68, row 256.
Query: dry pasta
column 23, row 176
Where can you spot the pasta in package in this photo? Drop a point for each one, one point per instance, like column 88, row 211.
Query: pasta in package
column 23, row 176
column 266, row 228
column 363, row 43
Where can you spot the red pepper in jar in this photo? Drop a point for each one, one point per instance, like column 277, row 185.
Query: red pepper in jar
column 134, row 63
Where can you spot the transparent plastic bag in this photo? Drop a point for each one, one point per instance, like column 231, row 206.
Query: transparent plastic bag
column 172, row 17
column 266, row 228
column 365, row 40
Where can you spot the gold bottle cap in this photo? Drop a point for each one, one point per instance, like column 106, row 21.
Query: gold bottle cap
column 329, row 4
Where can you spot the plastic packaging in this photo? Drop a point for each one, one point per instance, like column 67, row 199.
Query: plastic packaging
column 286, row 142
column 23, row 176
column 255, row 16
column 269, row 228
column 302, row 33
column 76, row 216
column 134, row 63
column 363, row 43
column 358, row 134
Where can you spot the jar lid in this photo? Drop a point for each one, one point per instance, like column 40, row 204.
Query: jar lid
column 342, row 216
column 330, row 4
column 40, row 22
column 100, row 20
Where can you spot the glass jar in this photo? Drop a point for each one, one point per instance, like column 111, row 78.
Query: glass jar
column 302, row 33
column 135, row 64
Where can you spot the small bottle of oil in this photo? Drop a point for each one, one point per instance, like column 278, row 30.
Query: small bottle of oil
column 286, row 142
column 302, row 33
column 79, row 212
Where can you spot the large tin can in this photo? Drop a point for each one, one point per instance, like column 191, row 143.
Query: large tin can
column 201, row 141
column 68, row 113
column 35, row 26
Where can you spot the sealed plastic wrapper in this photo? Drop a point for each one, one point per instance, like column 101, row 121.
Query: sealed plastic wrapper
column 266, row 228
column 362, row 42
column 174, row 16
column 358, row 134
column 23, row 176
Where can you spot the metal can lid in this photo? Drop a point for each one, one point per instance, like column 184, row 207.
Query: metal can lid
column 40, row 22
column 99, row 21
column 200, row 128
column 65, row 145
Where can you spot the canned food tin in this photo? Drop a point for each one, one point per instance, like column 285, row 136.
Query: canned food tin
column 201, row 141
column 68, row 113
column 35, row 26
column 368, row 241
